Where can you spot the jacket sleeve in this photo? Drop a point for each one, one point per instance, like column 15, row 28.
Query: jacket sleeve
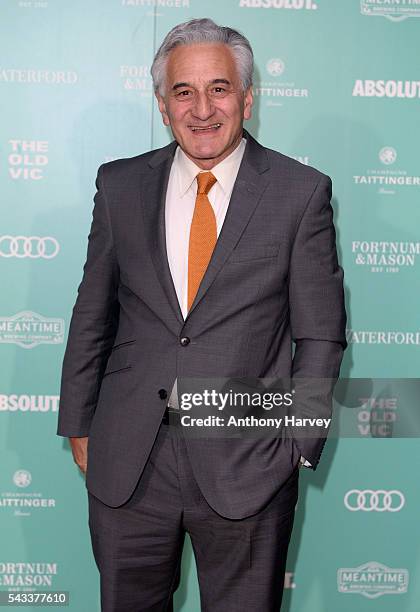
column 317, row 315
column 93, row 324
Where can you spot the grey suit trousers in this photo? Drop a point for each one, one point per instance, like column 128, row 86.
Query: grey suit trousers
column 138, row 546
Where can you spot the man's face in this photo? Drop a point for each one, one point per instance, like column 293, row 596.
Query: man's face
column 204, row 102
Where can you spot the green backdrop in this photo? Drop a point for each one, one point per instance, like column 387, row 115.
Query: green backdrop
column 337, row 86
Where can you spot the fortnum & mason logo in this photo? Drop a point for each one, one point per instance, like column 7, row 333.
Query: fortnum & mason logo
column 385, row 255
column 394, row 10
column 29, row 329
column 137, row 78
column 24, row 576
column 372, row 580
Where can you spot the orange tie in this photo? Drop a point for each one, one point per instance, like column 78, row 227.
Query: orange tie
column 203, row 235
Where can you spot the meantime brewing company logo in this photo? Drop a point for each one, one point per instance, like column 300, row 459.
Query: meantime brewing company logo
column 23, row 501
column 27, row 576
column 395, row 10
column 387, row 177
column 275, row 90
column 372, row 580
column 27, row 159
column 137, row 78
column 385, row 256
column 309, row 5
column 29, row 329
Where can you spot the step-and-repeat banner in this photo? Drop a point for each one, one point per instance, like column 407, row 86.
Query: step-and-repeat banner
column 337, row 86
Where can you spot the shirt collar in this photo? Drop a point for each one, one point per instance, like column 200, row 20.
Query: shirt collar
column 225, row 171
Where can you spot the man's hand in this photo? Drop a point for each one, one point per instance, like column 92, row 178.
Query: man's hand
column 79, row 448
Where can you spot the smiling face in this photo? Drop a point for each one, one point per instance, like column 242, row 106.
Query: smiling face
column 204, row 102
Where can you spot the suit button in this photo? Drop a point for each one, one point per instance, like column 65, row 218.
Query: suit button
column 162, row 393
column 185, row 341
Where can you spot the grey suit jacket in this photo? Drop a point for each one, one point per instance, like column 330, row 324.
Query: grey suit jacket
column 273, row 279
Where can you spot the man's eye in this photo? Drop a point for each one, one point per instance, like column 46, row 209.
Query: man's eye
column 183, row 93
column 219, row 90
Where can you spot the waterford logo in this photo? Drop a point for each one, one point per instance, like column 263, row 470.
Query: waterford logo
column 372, row 580
column 395, row 10
column 28, row 329
column 382, row 337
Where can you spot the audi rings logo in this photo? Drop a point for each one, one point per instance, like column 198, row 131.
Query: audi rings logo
column 374, row 501
column 34, row 247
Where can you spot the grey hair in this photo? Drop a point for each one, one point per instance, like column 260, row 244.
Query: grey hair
column 196, row 31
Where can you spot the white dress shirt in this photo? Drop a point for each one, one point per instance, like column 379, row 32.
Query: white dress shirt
column 179, row 208
column 180, row 203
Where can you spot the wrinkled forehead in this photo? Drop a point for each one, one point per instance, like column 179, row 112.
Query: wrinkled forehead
column 199, row 65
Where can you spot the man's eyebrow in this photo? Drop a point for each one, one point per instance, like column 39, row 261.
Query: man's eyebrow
column 225, row 81
column 213, row 82
column 178, row 85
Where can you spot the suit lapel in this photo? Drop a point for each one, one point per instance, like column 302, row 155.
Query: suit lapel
column 247, row 192
column 249, row 187
column 154, row 184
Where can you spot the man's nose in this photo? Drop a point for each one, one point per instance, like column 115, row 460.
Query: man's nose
column 203, row 107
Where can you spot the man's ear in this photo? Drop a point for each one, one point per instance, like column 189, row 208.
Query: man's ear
column 248, row 101
column 162, row 108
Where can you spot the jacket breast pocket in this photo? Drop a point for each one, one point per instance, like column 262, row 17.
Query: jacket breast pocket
column 249, row 252
column 120, row 357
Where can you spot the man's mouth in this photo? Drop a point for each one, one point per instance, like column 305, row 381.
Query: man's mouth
column 207, row 128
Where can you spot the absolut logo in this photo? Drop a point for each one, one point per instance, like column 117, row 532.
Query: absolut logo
column 386, row 89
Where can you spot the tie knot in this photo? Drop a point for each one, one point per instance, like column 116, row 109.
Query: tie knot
column 205, row 181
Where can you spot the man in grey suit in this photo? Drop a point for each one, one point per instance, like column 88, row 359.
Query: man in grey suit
column 209, row 257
